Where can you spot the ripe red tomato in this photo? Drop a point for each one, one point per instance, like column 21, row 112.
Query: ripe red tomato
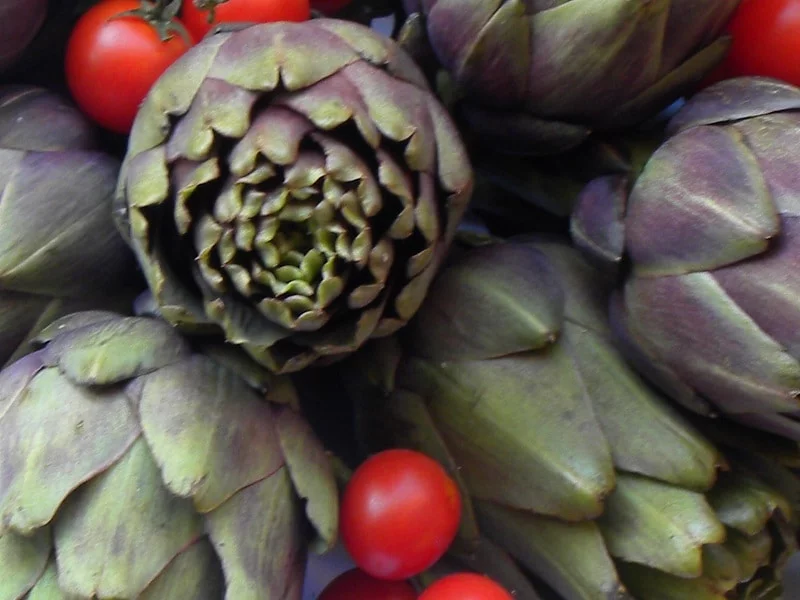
column 766, row 40
column 112, row 63
column 357, row 584
column 465, row 586
column 243, row 11
column 400, row 512
column 329, row 7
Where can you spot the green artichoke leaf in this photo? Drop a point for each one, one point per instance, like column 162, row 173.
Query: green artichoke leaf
column 47, row 587
column 659, row 525
column 107, row 352
column 117, row 533
column 498, row 300
column 14, row 380
column 497, row 62
column 721, row 568
column 53, row 438
column 44, row 249
column 570, row 557
column 551, row 443
column 697, row 329
column 24, row 560
column 751, row 552
column 645, row 434
column 401, row 419
column 20, row 313
column 72, row 322
column 210, row 433
column 246, row 530
column 652, row 584
column 311, row 473
column 195, row 573
column 710, row 188
column 746, row 504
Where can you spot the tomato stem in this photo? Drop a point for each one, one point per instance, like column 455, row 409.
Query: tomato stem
column 208, row 6
column 160, row 14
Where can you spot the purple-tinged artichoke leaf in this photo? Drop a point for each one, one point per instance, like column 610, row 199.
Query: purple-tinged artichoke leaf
column 14, row 379
column 774, row 140
column 311, row 473
column 401, row 420
column 46, row 451
column 767, row 288
column 645, row 434
column 522, row 133
column 746, row 504
column 498, row 300
column 209, row 432
column 20, row 21
column 33, row 118
column 20, row 313
column 778, row 424
column 195, row 573
column 695, row 328
column 644, row 359
column 264, row 515
column 496, row 67
column 642, row 580
column 46, row 225
column 116, row 534
column 700, row 203
column 24, row 560
column 682, row 80
column 589, row 56
column 659, row 525
column 693, row 24
column 597, row 223
column 74, row 321
column 571, row 557
column 106, row 352
column 560, row 459
column 733, row 100
column 455, row 25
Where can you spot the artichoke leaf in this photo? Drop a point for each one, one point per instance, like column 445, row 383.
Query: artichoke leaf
column 54, row 438
column 751, row 552
column 652, row 584
column 117, row 533
column 196, row 573
column 23, row 561
column 746, row 504
column 659, row 525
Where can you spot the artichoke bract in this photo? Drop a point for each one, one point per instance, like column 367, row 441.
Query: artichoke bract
column 294, row 186
column 133, row 466
column 59, row 248
column 711, row 234
column 538, row 76
column 569, row 461
column 20, row 21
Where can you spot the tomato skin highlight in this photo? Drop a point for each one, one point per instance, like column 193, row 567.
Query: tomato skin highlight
column 357, row 584
column 111, row 63
column 465, row 586
column 766, row 40
column 243, row 11
column 400, row 512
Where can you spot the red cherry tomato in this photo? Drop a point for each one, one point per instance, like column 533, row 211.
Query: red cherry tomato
column 357, row 584
column 243, row 11
column 330, row 7
column 400, row 512
column 766, row 41
column 465, row 586
column 112, row 63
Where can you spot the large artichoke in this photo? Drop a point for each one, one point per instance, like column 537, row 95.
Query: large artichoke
column 575, row 466
column 132, row 466
column 59, row 249
column 710, row 308
column 295, row 186
column 539, row 76
column 20, row 21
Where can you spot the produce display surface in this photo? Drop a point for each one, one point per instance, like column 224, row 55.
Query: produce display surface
column 399, row 300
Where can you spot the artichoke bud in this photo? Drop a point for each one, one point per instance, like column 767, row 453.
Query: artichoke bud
column 299, row 206
column 122, row 455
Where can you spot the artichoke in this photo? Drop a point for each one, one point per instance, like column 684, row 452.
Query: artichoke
column 509, row 377
column 710, row 231
column 132, row 466
column 20, row 21
column 538, row 76
column 59, row 249
column 293, row 186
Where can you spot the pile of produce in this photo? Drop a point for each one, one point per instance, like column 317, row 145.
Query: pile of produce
column 497, row 298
